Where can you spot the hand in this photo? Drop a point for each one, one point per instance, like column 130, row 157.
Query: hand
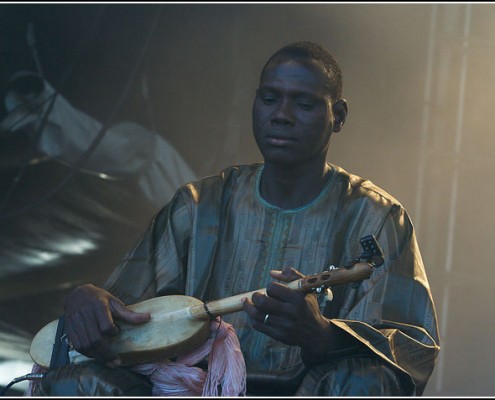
column 294, row 318
column 89, row 321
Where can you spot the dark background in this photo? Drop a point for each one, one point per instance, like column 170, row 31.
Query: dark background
column 419, row 81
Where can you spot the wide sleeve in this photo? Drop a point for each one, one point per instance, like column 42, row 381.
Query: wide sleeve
column 393, row 313
column 157, row 265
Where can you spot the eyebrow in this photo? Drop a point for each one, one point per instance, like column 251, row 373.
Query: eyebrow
column 296, row 92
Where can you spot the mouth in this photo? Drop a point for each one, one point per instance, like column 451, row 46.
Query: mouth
column 280, row 140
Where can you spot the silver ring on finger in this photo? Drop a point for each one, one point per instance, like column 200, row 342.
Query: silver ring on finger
column 266, row 319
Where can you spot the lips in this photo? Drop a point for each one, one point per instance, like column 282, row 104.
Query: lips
column 279, row 140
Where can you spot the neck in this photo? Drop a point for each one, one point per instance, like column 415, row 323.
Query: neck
column 289, row 188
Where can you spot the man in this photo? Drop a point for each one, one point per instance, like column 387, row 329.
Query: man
column 261, row 225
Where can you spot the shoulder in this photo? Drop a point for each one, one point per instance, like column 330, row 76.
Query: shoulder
column 214, row 186
column 361, row 200
column 359, row 188
column 228, row 175
column 373, row 211
column 208, row 193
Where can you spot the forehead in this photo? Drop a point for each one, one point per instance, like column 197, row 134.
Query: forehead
column 304, row 75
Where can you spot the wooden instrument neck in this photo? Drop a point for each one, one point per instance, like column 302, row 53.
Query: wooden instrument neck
column 334, row 277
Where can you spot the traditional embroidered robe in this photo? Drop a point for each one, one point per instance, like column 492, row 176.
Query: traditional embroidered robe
column 218, row 237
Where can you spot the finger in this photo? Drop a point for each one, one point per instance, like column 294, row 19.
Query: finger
column 85, row 336
column 75, row 335
column 99, row 343
column 119, row 310
column 273, row 326
column 105, row 321
column 255, row 313
column 268, row 304
column 288, row 274
column 102, row 351
column 284, row 294
column 79, row 336
column 250, row 308
column 269, row 324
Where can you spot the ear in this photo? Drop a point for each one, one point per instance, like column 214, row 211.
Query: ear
column 339, row 109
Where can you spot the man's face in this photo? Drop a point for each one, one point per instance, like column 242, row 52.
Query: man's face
column 292, row 113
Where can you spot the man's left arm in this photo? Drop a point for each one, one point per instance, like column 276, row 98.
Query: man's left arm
column 390, row 316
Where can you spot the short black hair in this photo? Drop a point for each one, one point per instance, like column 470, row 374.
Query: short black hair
column 306, row 50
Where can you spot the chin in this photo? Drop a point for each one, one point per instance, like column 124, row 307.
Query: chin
column 283, row 161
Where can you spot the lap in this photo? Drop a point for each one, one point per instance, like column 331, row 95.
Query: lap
column 93, row 379
column 353, row 376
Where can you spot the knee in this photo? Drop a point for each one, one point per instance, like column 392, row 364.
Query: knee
column 93, row 379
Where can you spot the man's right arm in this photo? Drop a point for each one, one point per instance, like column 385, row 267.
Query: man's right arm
column 90, row 314
column 155, row 261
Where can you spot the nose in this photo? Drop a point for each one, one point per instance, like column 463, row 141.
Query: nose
column 283, row 113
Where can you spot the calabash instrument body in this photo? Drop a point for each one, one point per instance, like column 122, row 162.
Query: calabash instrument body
column 179, row 324
column 171, row 331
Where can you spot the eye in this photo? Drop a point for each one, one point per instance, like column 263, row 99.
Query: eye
column 307, row 102
column 305, row 105
column 268, row 99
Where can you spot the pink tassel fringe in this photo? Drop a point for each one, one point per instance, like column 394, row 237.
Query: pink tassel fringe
column 226, row 367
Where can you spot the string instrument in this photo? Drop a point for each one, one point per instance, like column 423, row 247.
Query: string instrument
column 180, row 323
